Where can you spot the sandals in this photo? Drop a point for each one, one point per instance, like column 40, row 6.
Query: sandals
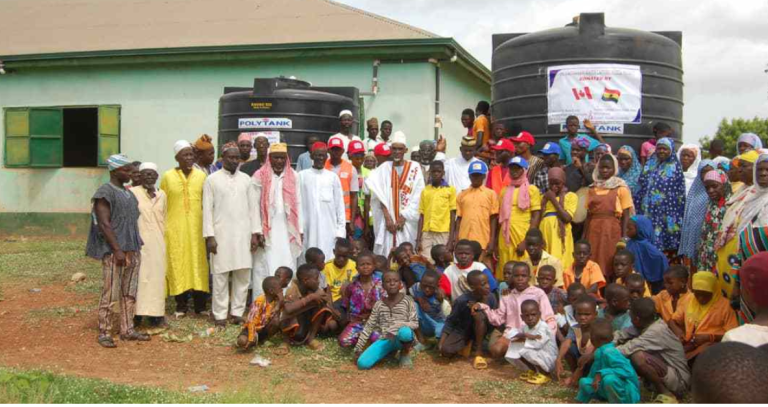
column 480, row 363
column 527, row 375
column 282, row 349
column 135, row 336
column 665, row 399
column 538, row 379
column 315, row 345
column 106, row 341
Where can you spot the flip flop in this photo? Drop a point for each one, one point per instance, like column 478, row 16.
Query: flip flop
column 107, row 342
column 665, row 399
column 527, row 375
column 538, row 379
column 282, row 349
column 480, row 363
column 315, row 345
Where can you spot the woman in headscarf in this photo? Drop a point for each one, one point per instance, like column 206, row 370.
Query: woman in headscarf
column 662, row 196
column 520, row 210
column 695, row 208
column 747, row 142
column 150, row 296
column 689, row 156
column 630, row 170
column 706, row 318
column 650, row 262
column 734, row 175
column 609, row 206
column 718, row 191
column 559, row 206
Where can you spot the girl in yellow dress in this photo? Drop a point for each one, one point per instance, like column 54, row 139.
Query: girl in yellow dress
column 559, row 206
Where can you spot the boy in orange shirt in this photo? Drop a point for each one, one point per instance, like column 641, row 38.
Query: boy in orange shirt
column 477, row 212
column 675, row 294
column 584, row 270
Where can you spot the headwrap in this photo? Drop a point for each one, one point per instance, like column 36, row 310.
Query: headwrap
column 204, row 143
column 557, row 173
column 706, row 255
column 468, row 141
column 264, row 175
column 180, row 145
column 582, row 142
column 278, row 148
column 696, row 203
column 632, row 175
column 666, row 141
column 343, row 112
column 755, row 202
column 523, row 201
column 117, row 161
column 723, row 162
column 695, row 311
column 231, row 145
column 716, row 175
column 752, row 139
column 613, row 181
column 399, row 137
column 318, row 145
column 693, row 171
column 243, row 137
column 650, row 262
column 605, row 146
column 750, row 156
column 373, row 122
column 148, row 166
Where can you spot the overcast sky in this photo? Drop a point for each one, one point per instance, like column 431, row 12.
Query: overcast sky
column 725, row 44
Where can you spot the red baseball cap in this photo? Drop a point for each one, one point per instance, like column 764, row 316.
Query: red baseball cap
column 504, row 144
column 382, row 150
column 524, row 137
column 317, row 145
column 335, row 142
column 355, row 147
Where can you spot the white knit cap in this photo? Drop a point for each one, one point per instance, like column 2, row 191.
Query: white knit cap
column 148, row 166
column 343, row 112
column 180, row 145
column 399, row 137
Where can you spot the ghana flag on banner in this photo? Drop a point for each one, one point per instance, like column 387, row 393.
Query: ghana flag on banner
column 611, row 95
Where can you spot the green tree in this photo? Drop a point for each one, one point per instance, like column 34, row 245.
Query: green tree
column 729, row 132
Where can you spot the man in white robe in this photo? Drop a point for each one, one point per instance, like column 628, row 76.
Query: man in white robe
column 346, row 121
column 278, row 216
column 230, row 236
column 324, row 219
column 457, row 168
column 395, row 188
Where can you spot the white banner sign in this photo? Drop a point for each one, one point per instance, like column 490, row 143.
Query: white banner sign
column 264, row 123
column 603, row 93
column 607, row 128
column 272, row 136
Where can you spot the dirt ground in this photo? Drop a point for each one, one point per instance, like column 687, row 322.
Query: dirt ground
column 55, row 329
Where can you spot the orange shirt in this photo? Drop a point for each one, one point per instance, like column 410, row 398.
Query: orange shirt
column 623, row 202
column 720, row 318
column 482, row 124
column 589, row 276
column 663, row 301
column 475, row 206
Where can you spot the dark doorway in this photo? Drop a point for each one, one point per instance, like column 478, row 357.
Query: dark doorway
column 81, row 137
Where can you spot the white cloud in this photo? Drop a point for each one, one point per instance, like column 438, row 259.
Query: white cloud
column 725, row 47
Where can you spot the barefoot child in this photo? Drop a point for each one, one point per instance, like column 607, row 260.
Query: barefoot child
column 617, row 310
column 358, row 300
column 577, row 347
column 623, row 266
column 584, row 270
column 264, row 317
column 611, row 377
column 675, row 294
column 284, row 274
column 308, row 309
column 429, row 299
column 533, row 345
column 394, row 316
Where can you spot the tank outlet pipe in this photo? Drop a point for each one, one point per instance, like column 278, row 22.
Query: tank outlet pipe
column 375, row 84
column 438, row 122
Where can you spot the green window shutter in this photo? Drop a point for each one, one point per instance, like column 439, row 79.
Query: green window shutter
column 46, row 137
column 16, row 151
column 109, row 132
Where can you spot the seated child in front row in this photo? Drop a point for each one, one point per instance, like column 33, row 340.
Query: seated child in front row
column 575, row 291
column 584, row 270
column 285, row 274
column 264, row 317
column 577, row 347
column 611, row 376
column 675, row 294
column 545, row 280
column 637, row 286
column 533, row 347
column 431, row 309
column 617, row 308
column 394, row 317
column 316, row 257
column 441, row 257
column 308, row 309
column 358, row 300
column 340, row 270
column 623, row 262
column 381, row 265
column 466, row 328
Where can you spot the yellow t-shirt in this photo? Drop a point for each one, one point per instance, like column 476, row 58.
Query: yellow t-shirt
column 337, row 277
column 435, row 205
column 475, row 206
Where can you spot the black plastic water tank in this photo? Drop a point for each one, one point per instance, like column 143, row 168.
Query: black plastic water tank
column 520, row 63
column 296, row 109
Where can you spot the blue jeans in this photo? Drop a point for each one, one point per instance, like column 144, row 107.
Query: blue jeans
column 429, row 326
column 383, row 347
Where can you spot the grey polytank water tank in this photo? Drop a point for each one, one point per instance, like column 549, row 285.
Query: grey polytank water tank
column 296, row 108
column 520, row 64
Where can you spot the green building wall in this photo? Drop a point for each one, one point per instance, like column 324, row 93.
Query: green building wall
column 162, row 103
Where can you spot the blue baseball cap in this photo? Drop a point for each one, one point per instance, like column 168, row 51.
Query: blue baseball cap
column 478, row 167
column 520, row 161
column 550, row 148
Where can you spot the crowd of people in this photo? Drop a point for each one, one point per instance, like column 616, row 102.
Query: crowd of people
column 605, row 262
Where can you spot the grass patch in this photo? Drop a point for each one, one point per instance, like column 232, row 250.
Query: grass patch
column 518, row 390
column 59, row 312
column 44, row 387
column 44, row 262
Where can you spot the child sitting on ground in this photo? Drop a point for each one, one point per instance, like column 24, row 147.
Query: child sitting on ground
column 308, row 309
column 382, row 265
column 394, row 317
column 464, row 328
column 441, row 257
column 411, row 268
column 637, row 286
column 340, row 270
column 284, row 274
column 431, row 306
column 730, row 373
column 611, row 377
column 358, row 246
column 577, row 347
column 584, row 270
column 545, row 280
column 458, row 272
column 358, row 300
column 617, row 309
column 623, row 266
column 675, row 294
column 533, row 346
column 316, row 257
column 264, row 317
column 574, row 291
column 508, row 313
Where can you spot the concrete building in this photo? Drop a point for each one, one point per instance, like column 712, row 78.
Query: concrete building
column 82, row 79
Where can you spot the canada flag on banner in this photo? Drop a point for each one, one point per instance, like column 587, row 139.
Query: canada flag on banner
column 584, row 93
